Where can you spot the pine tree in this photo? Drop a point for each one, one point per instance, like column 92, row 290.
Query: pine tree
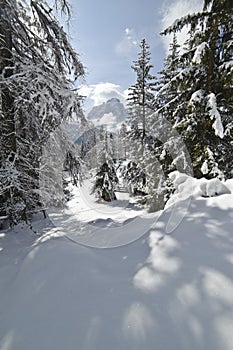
column 134, row 178
column 162, row 145
column 140, row 105
column 204, row 87
column 166, row 98
column 141, row 97
column 36, row 60
column 60, row 166
column 106, row 178
column 105, row 182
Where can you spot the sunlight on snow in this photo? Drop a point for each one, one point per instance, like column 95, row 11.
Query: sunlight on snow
column 217, row 286
column 148, row 279
column 138, row 322
column 188, row 295
column 159, row 264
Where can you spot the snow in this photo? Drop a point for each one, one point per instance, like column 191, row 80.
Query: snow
column 159, row 291
column 187, row 186
column 199, row 52
column 227, row 65
column 88, row 221
column 214, row 115
column 197, row 96
column 204, row 168
column 217, row 125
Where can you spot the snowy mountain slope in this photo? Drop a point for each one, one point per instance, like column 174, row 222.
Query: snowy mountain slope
column 110, row 113
column 162, row 291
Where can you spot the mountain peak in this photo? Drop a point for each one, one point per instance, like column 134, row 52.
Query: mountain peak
column 111, row 112
column 113, row 100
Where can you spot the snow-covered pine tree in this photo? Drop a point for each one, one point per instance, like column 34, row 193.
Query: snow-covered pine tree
column 60, row 166
column 166, row 97
column 105, row 182
column 134, row 178
column 36, row 65
column 164, row 146
column 204, row 86
column 140, row 103
column 141, row 96
column 106, row 178
column 166, row 101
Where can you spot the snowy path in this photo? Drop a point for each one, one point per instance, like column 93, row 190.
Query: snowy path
column 102, row 224
column 163, row 292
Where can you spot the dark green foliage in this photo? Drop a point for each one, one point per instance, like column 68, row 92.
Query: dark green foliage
column 202, row 109
column 140, row 105
column 105, row 182
column 135, row 178
column 141, row 98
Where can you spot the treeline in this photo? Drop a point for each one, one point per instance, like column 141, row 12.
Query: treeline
column 182, row 119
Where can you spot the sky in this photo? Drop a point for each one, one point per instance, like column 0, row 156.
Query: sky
column 107, row 34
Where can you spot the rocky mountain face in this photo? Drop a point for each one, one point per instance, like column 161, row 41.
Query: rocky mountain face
column 110, row 114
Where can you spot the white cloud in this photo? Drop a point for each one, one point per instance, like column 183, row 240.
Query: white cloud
column 128, row 43
column 100, row 93
column 174, row 9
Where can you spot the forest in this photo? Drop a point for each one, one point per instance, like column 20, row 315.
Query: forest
column 180, row 119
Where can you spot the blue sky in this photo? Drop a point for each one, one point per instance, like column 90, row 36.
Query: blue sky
column 107, row 35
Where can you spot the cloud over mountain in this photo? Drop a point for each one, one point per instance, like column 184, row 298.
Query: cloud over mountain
column 101, row 92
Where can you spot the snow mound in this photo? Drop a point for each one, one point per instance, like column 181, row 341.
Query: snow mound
column 213, row 187
column 187, row 186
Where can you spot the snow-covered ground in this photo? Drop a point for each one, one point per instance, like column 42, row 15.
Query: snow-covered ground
column 100, row 277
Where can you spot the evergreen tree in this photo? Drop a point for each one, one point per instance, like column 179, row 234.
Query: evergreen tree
column 140, row 105
column 204, row 89
column 60, row 165
column 134, row 178
column 141, row 98
column 156, row 162
column 106, row 178
column 105, row 182
column 36, row 60
column 166, row 98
